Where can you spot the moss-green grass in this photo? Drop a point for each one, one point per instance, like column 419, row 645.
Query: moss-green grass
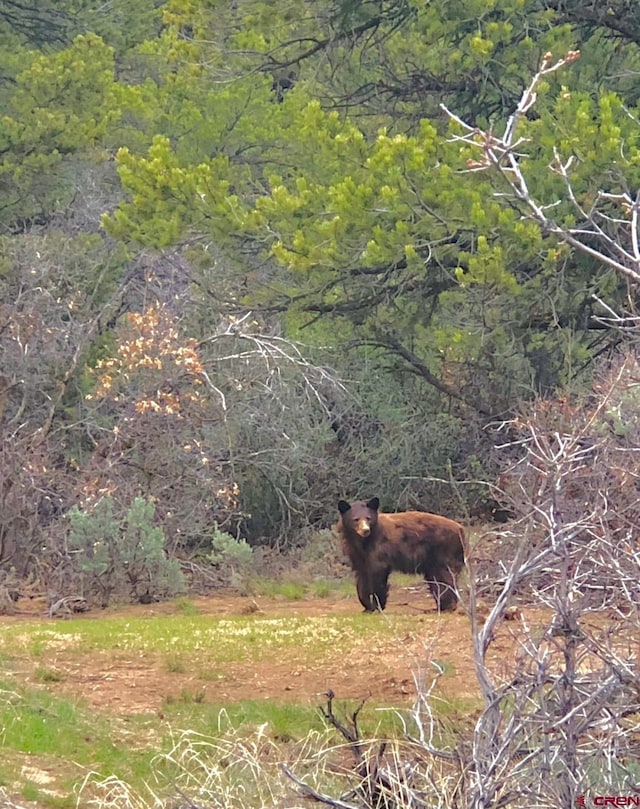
column 292, row 589
column 63, row 739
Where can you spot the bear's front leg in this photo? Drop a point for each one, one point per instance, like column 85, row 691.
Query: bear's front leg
column 373, row 589
column 367, row 594
column 363, row 586
column 380, row 589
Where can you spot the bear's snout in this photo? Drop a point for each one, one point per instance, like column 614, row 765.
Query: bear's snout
column 363, row 528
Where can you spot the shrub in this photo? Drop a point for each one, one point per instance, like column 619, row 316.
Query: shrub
column 231, row 556
column 118, row 557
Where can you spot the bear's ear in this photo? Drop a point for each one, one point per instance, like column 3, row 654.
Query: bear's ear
column 343, row 506
column 373, row 504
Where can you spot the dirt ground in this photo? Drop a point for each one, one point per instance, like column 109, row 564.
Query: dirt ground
column 132, row 683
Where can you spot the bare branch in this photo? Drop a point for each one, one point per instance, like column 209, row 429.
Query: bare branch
column 309, row 792
column 498, row 153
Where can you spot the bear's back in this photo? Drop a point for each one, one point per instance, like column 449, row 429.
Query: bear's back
column 416, row 530
column 411, row 521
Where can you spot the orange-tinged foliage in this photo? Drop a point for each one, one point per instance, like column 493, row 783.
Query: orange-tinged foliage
column 152, row 351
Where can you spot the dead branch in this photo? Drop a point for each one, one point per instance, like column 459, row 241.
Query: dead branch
column 499, row 154
column 309, row 792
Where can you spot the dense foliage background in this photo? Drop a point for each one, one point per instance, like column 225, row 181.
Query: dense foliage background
column 247, row 266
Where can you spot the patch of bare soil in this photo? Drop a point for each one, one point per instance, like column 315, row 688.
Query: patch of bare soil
column 383, row 670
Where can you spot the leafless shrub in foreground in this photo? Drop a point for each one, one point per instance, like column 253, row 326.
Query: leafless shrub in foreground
column 562, row 718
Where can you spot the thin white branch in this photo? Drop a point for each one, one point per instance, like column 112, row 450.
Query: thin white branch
column 498, row 153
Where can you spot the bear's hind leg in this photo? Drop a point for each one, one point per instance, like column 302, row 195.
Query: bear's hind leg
column 443, row 589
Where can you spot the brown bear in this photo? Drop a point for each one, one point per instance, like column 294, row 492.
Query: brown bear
column 409, row 541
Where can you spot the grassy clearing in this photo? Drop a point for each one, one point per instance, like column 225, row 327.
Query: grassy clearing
column 51, row 743
column 203, row 638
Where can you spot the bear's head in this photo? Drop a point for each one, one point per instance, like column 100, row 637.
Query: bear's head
column 360, row 517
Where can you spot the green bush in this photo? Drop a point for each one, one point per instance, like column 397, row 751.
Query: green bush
column 122, row 557
column 231, row 556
